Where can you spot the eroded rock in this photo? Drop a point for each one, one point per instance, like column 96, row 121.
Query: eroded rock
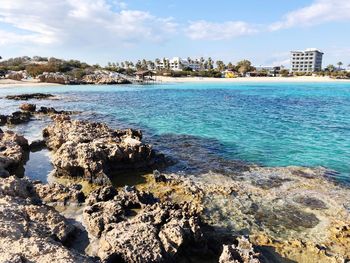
column 13, row 153
column 242, row 251
column 29, row 230
column 155, row 232
column 93, row 150
column 28, row 107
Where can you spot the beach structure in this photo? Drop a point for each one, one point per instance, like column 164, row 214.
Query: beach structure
column 269, row 71
column 178, row 64
column 309, row 60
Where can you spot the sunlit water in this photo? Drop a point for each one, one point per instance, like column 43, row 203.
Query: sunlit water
column 205, row 126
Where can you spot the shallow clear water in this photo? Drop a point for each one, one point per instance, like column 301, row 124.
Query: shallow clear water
column 273, row 124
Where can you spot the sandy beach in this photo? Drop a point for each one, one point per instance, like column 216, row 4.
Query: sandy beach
column 250, row 79
column 6, row 83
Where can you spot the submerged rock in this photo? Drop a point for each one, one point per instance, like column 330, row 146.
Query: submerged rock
column 94, row 151
column 37, row 145
column 37, row 96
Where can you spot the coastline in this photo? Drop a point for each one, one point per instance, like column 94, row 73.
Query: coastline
column 7, row 83
column 249, row 79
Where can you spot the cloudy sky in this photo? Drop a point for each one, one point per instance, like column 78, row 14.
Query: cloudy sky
column 98, row 31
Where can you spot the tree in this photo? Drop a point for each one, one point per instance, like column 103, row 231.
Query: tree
column 210, row 63
column 330, row 68
column 339, row 64
column 284, row 72
column 244, row 66
column 220, row 65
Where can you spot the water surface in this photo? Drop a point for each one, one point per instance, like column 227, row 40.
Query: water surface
column 209, row 125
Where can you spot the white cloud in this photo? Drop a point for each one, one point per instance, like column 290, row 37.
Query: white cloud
column 80, row 22
column 203, row 30
column 320, row 11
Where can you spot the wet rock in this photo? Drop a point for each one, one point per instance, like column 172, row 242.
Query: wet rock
column 310, row 202
column 242, row 251
column 272, row 182
column 1, row 131
column 37, row 145
column 13, row 152
column 158, row 177
column 59, row 194
column 286, row 217
column 18, row 117
column 94, row 151
column 102, row 194
column 28, row 107
column 50, row 110
column 37, row 96
column 3, row 119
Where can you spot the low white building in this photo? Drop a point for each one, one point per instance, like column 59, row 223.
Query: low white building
column 178, row 64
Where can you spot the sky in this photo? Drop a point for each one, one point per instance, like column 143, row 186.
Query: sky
column 101, row 31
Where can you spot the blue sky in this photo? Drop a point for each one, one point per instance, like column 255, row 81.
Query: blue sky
column 98, row 31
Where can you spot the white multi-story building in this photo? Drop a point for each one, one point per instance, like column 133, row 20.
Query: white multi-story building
column 309, row 60
column 178, row 64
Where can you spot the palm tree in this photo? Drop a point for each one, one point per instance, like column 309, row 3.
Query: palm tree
column 210, row 63
column 339, row 64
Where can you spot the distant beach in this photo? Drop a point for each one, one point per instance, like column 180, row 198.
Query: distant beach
column 6, row 83
column 251, row 79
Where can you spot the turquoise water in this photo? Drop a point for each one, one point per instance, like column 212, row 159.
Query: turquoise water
column 272, row 124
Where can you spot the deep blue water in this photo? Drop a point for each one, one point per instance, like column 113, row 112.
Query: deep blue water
column 272, row 124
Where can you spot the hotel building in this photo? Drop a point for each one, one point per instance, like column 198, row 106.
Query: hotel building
column 309, row 60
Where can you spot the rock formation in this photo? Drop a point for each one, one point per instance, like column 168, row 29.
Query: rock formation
column 29, row 230
column 28, row 107
column 243, row 252
column 36, row 96
column 13, row 153
column 93, row 150
column 155, row 232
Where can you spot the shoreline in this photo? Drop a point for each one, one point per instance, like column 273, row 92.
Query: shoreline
column 250, row 80
column 8, row 83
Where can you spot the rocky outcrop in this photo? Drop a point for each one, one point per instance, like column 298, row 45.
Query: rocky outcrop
column 28, row 107
column 94, row 151
column 36, row 96
column 57, row 77
column 154, row 232
column 13, row 153
column 17, row 117
column 100, row 78
column 242, row 251
column 59, row 194
column 16, row 75
column 29, row 230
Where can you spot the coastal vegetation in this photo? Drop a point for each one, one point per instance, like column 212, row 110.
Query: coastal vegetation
column 74, row 71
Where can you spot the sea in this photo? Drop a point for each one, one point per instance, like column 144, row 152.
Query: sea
column 209, row 126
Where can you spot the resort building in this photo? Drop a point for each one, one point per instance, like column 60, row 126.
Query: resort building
column 309, row 60
column 178, row 64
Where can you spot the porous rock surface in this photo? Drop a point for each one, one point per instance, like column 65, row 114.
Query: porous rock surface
column 155, row 232
column 29, row 230
column 13, row 153
column 93, row 150
column 243, row 251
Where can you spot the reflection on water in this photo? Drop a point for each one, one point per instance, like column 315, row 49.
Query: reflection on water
column 38, row 166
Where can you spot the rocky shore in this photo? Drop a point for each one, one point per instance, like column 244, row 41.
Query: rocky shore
column 255, row 214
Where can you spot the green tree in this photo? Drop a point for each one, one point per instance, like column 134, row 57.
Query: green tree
column 220, row 65
column 339, row 64
column 244, row 66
